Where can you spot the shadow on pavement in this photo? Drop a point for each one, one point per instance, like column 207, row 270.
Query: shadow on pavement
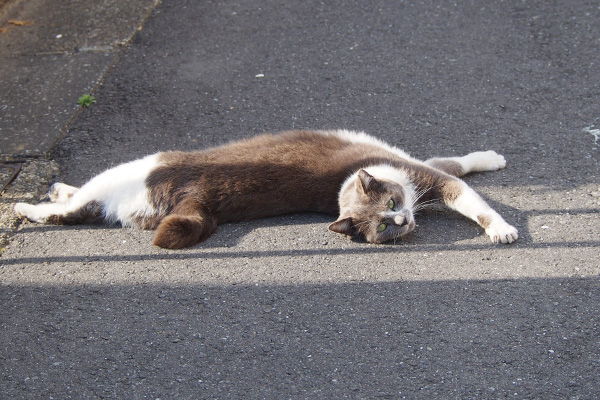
column 431, row 238
column 531, row 338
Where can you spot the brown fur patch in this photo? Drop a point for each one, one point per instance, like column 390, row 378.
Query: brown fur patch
column 438, row 184
column 451, row 189
column 484, row 221
column 179, row 231
column 147, row 222
column 263, row 176
column 446, row 165
column 88, row 214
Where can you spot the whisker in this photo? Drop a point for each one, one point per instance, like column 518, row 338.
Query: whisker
column 430, row 201
column 418, row 194
column 421, row 208
column 426, row 203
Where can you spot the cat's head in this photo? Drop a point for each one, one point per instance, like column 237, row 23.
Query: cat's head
column 378, row 209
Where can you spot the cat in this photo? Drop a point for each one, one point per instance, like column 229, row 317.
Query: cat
column 373, row 188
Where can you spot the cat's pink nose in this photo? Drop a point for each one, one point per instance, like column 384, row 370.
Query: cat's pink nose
column 400, row 220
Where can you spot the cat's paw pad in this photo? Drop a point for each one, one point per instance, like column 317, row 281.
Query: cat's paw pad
column 60, row 193
column 501, row 232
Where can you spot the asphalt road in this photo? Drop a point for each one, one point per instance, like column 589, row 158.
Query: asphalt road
column 283, row 308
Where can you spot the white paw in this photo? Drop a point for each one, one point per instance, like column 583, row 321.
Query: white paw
column 22, row 209
column 495, row 161
column 35, row 213
column 60, row 193
column 486, row 161
column 501, row 232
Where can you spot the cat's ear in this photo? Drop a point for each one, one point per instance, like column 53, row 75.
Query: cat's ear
column 343, row 226
column 367, row 182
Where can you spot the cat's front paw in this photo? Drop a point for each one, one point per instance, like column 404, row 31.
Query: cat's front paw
column 501, row 232
column 494, row 160
column 485, row 161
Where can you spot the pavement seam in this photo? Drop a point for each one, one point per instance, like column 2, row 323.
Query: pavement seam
column 37, row 172
column 118, row 49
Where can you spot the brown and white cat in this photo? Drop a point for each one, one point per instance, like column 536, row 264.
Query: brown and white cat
column 372, row 186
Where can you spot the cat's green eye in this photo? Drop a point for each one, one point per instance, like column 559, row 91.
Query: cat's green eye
column 381, row 227
column 391, row 204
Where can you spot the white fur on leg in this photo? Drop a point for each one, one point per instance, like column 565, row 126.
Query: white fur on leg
column 39, row 213
column 501, row 232
column 481, row 161
column 121, row 191
column 61, row 193
column 471, row 205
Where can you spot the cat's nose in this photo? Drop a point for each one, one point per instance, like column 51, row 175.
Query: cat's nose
column 400, row 220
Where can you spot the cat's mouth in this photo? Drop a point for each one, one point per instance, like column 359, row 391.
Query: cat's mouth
column 403, row 230
column 410, row 227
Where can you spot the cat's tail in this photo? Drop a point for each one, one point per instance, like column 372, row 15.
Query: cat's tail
column 178, row 231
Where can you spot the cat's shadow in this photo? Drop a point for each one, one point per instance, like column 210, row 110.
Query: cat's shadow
column 436, row 225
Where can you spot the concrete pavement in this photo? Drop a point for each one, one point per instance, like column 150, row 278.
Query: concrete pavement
column 283, row 308
column 51, row 54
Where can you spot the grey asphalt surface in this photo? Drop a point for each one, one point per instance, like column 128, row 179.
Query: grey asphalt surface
column 61, row 52
column 283, row 308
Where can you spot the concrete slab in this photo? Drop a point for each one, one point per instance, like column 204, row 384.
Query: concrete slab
column 39, row 98
column 60, row 52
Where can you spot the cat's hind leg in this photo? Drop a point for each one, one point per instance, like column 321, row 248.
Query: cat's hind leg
column 68, row 205
column 40, row 212
column 61, row 213
column 118, row 194
column 478, row 161
column 61, row 193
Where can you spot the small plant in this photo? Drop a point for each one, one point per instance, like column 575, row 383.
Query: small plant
column 86, row 100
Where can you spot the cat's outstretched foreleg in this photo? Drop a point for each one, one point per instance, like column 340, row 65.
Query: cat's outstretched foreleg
column 478, row 161
column 460, row 197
